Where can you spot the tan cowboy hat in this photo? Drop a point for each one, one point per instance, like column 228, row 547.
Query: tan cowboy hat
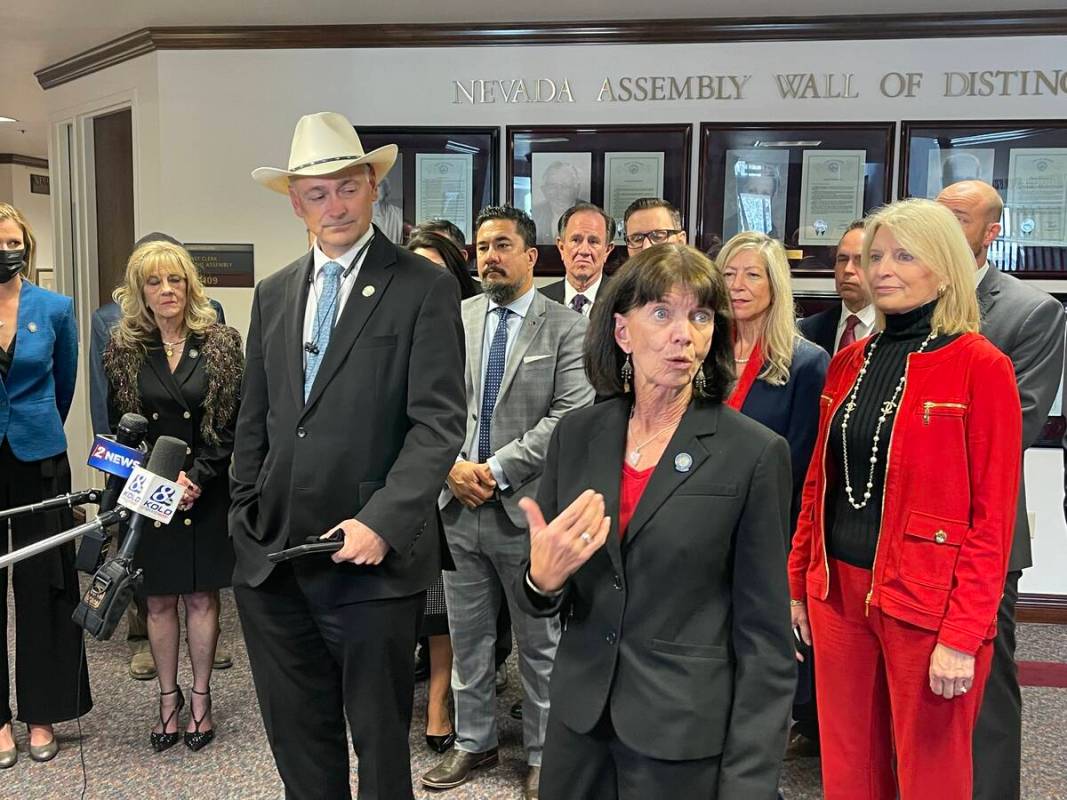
column 323, row 144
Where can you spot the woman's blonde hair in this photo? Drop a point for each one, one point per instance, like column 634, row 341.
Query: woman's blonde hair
column 9, row 212
column 780, row 328
column 138, row 325
column 932, row 234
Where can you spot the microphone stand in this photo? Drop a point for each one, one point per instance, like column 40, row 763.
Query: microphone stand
column 62, row 501
column 104, row 520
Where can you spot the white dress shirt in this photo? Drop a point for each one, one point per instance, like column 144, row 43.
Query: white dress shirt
column 865, row 327
column 320, row 260
column 569, row 293
column 519, row 308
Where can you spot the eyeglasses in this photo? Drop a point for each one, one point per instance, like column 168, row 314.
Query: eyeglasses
column 658, row 236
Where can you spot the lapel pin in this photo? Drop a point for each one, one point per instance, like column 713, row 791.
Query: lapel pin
column 368, row 291
column 32, row 327
column 683, row 462
column 194, row 353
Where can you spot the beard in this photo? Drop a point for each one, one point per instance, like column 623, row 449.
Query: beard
column 501, row 291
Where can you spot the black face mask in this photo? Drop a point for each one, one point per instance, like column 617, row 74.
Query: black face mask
column 11, row 263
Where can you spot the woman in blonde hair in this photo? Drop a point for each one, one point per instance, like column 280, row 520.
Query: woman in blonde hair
column 779, row 372
column 901, row 550
column 170, row 361
column 38, row 366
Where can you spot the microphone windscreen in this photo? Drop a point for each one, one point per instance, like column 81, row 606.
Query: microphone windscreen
column 131, row 430
column 168, row 455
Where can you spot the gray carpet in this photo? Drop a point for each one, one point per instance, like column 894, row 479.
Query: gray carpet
column 121, row 765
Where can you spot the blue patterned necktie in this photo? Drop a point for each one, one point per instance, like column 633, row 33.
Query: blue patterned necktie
column 494, row 373
column 331, row 284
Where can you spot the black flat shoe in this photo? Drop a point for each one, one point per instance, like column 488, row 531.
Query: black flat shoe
column 441, row 744
column 200, row 739
column 165, row 741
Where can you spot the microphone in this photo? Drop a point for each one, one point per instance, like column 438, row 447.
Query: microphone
column 150, row 493
column 117, row 458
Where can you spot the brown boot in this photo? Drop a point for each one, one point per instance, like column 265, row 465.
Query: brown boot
column 142, row 665
column 455, row 768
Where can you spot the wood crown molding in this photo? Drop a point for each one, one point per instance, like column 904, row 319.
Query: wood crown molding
column 1046, row 608
column 24, row 161
column 659, row 31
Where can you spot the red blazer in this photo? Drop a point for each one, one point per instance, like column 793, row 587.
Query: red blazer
column 948, row 508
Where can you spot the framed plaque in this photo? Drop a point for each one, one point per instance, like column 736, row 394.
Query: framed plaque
column 800, row 182
column 445, row 172
column 552, row 167
column 1025, row 160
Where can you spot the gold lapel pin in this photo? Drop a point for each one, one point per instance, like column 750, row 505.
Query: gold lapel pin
column 368, row 291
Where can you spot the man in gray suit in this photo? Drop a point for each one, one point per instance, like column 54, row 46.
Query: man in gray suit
column 524, row 371
column 1027, row 325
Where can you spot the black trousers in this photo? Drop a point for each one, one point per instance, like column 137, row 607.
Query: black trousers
column 312, row 667
column 51, row 677
column 597, row 766
column 998, row 738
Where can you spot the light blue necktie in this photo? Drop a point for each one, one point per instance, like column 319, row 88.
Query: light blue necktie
column 494, row 373
column 331, row 284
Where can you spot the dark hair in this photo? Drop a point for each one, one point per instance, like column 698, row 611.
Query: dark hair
column 156, row 236
column 714, row 246
column 855, row 225
column 580, row 206
column 645, row 203
column 454, row 261
column 523, row 223
column 649, row 277
column 442, row 227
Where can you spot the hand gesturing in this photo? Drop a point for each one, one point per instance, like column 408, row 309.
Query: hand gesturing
column 558, row 548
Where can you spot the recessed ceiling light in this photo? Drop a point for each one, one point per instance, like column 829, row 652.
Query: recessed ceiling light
column 8, row 119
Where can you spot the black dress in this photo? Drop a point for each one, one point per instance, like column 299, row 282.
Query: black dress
column 193, row 553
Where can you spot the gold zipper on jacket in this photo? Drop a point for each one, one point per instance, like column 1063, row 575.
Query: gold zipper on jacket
column 885, row 486
column 929, row 405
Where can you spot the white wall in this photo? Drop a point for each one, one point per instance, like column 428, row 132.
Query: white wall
column 204, row 119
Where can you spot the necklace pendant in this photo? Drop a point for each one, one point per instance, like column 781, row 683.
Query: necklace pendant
column 634, row 457
column 169, row 351
column 888, row 407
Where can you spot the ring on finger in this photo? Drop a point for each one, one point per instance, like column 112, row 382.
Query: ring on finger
column 585, row 537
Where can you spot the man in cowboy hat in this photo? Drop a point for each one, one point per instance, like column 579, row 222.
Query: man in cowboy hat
column 352, row 414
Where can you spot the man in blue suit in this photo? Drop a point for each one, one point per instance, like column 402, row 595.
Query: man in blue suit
column 104, row 320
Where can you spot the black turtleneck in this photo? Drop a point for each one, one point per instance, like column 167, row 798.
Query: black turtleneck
column 6, row 357
column 852, row 535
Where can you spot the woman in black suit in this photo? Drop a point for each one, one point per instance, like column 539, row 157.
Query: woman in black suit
column 675, row 671
column 169, row 360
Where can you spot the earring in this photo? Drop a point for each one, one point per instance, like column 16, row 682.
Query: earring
column 941, row 289
column 626, row 373
column 699, row 381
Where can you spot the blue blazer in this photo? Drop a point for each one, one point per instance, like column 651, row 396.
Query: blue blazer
column 792, row 410
column 104, row 320
column 35, row 398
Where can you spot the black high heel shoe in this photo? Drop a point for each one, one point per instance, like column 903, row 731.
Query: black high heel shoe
column 164, row 741
column 199, row 739
column 441, row 744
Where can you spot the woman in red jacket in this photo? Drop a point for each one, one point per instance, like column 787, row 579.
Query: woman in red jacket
column 901, row 549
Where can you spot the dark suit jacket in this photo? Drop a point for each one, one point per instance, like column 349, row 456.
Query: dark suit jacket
column 556, row 291
column 103, row 320
column 821, row 328
column 1027, row 325
column 376, row 438
column 682, row 628
column 792, row 410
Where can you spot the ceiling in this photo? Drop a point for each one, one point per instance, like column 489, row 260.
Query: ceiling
column 43, row 32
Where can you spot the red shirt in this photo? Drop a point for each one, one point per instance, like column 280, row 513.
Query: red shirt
column 630, row 491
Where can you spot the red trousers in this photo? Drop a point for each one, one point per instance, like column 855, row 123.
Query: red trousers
column 875, row 702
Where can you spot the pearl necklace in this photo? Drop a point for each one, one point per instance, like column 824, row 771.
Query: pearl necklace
column 888, row 407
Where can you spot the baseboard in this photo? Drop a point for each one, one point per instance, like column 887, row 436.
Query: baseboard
column 1050, row 609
